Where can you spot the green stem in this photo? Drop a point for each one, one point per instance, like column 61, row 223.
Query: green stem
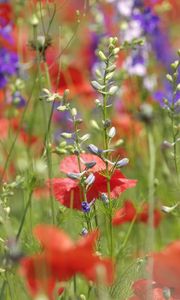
column 126, row 238
column 150, row 234
column 28, row 204
column 84, row 192
column 18, row 132
column 75, row 286
column 174, row 145
column 3, row 289
column 106, row 146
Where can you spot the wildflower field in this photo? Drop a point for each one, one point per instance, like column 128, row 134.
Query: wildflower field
column 89, row 150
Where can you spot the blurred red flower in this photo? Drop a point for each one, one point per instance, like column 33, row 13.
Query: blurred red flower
column 26, row 137
column 4, row 128
column 5, row 12
column 143, row 215
column 142, row 287
column 61, row 259
column 68, row 191
column 125, row 214
column 128, row 213
column 166, row 268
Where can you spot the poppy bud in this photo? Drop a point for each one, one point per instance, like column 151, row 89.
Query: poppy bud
column 34, row 20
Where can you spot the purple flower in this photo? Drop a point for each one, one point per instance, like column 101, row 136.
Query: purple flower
column 5, row 32
column 148, row 20
column 136, row 64
column 167, row 93
column 85, row 207
column 161, row 46
column 8, row 65
column 18, row 100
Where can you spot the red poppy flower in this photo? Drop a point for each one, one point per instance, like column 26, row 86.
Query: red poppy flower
column 61, row 259
column 38, row 275
column 44, row 1
column 126, row 125
column 143, row 215
column 128, row 212
column 5, row 12
column 68, row 191
column 74, row 79
column 140, row 289
column 166, row 268
column 41, row 192
column 125, row 214
column 25, row 137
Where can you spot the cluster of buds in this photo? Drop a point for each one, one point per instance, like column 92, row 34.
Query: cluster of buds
column 7, row 192
column 85, row 177
column 104, row 74
column 173, row 106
